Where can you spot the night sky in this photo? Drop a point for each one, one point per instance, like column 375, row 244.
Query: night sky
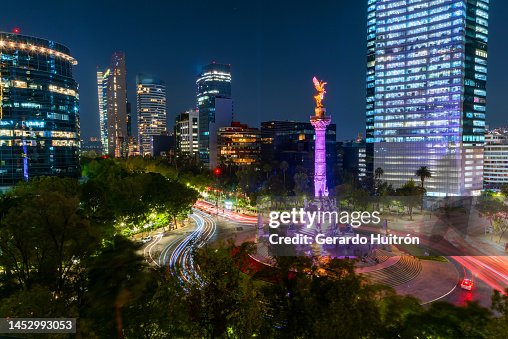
column 274, row 47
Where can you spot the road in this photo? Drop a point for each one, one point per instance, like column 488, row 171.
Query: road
column 226, row 214
column 174, row 251
column 489, row 272
column 482, row 291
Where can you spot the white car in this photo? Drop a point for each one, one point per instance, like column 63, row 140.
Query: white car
column 146, row 239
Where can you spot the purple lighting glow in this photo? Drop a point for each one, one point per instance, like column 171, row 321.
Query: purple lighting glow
column 320, row 121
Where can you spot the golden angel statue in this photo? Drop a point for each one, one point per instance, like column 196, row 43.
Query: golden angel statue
column 320, row 88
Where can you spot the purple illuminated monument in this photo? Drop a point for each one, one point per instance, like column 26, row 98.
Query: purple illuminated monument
column 320, row 121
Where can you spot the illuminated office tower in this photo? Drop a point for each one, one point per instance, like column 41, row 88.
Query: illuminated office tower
column 215, row 108
column 239, row 145
column 495, row 172
column 426, row 92
column 112, row 91
column 102, row 89
column 186, row 133
column 39, row 116
column 151, row 107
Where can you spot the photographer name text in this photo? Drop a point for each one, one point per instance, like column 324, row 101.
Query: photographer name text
column 357, row 239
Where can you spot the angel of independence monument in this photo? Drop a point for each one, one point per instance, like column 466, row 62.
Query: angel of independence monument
column 320, row 121
column 321, row 202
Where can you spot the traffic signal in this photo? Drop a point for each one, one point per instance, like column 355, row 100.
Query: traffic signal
column 217, row 171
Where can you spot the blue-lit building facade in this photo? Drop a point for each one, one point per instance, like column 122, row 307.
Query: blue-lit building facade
column 215, row 109
column 426, row 92
column 39, row 119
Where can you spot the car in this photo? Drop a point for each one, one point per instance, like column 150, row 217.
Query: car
column 146, row 239
column 467, row 284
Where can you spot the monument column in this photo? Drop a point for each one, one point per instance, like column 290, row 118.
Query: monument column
column 320, row 121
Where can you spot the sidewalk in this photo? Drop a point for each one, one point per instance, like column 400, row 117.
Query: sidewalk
column 388, row 262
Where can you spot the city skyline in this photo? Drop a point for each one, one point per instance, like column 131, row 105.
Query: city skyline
column 253, row 169
column 271, row 64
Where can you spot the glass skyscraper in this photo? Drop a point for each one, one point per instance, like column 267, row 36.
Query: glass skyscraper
column 215, row 108
column 426, row 92
column 39, row 116
column 102, row 89
column 151, row 107
column 112, row 91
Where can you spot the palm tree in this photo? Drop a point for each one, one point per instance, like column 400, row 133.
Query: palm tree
column 378, row 173
column 424, row 173
column 267, row 168
column 284, row 167
column 301, row 183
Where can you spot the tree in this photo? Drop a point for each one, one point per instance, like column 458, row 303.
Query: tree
column 495, row 211
column 267, row 168
column 504, row 190
column 284, row 167
column 179, row 199
column 498, row 326
column 423, row 173
column 117, row 277
column 301, row 183
column 44, row 236
column 444, row 320
column 378, row 173
column 227, row 300
column 160, row 311
column 334, row 303
column 411, row 196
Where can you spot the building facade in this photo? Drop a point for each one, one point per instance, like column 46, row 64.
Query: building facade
column 39, row 111
column 151, row 107
column 186, row 133
column 113, row 117
column 215, row 108
column 352, row 158
column 163, row 145
column 495, row 170
column 239, row 145
column 91, row 146
column 426, row 92
column 102, row 91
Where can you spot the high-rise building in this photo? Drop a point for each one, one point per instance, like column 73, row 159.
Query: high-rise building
column 151, row 107
column 91, row 146
column 215, row 108
column 102, row 90
column 39, row 114
column 495, row 171
column 186, row 133
column 426, row 92
column 129, row 120
column 239, row 145
column 352, row 154
column 112, row 91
